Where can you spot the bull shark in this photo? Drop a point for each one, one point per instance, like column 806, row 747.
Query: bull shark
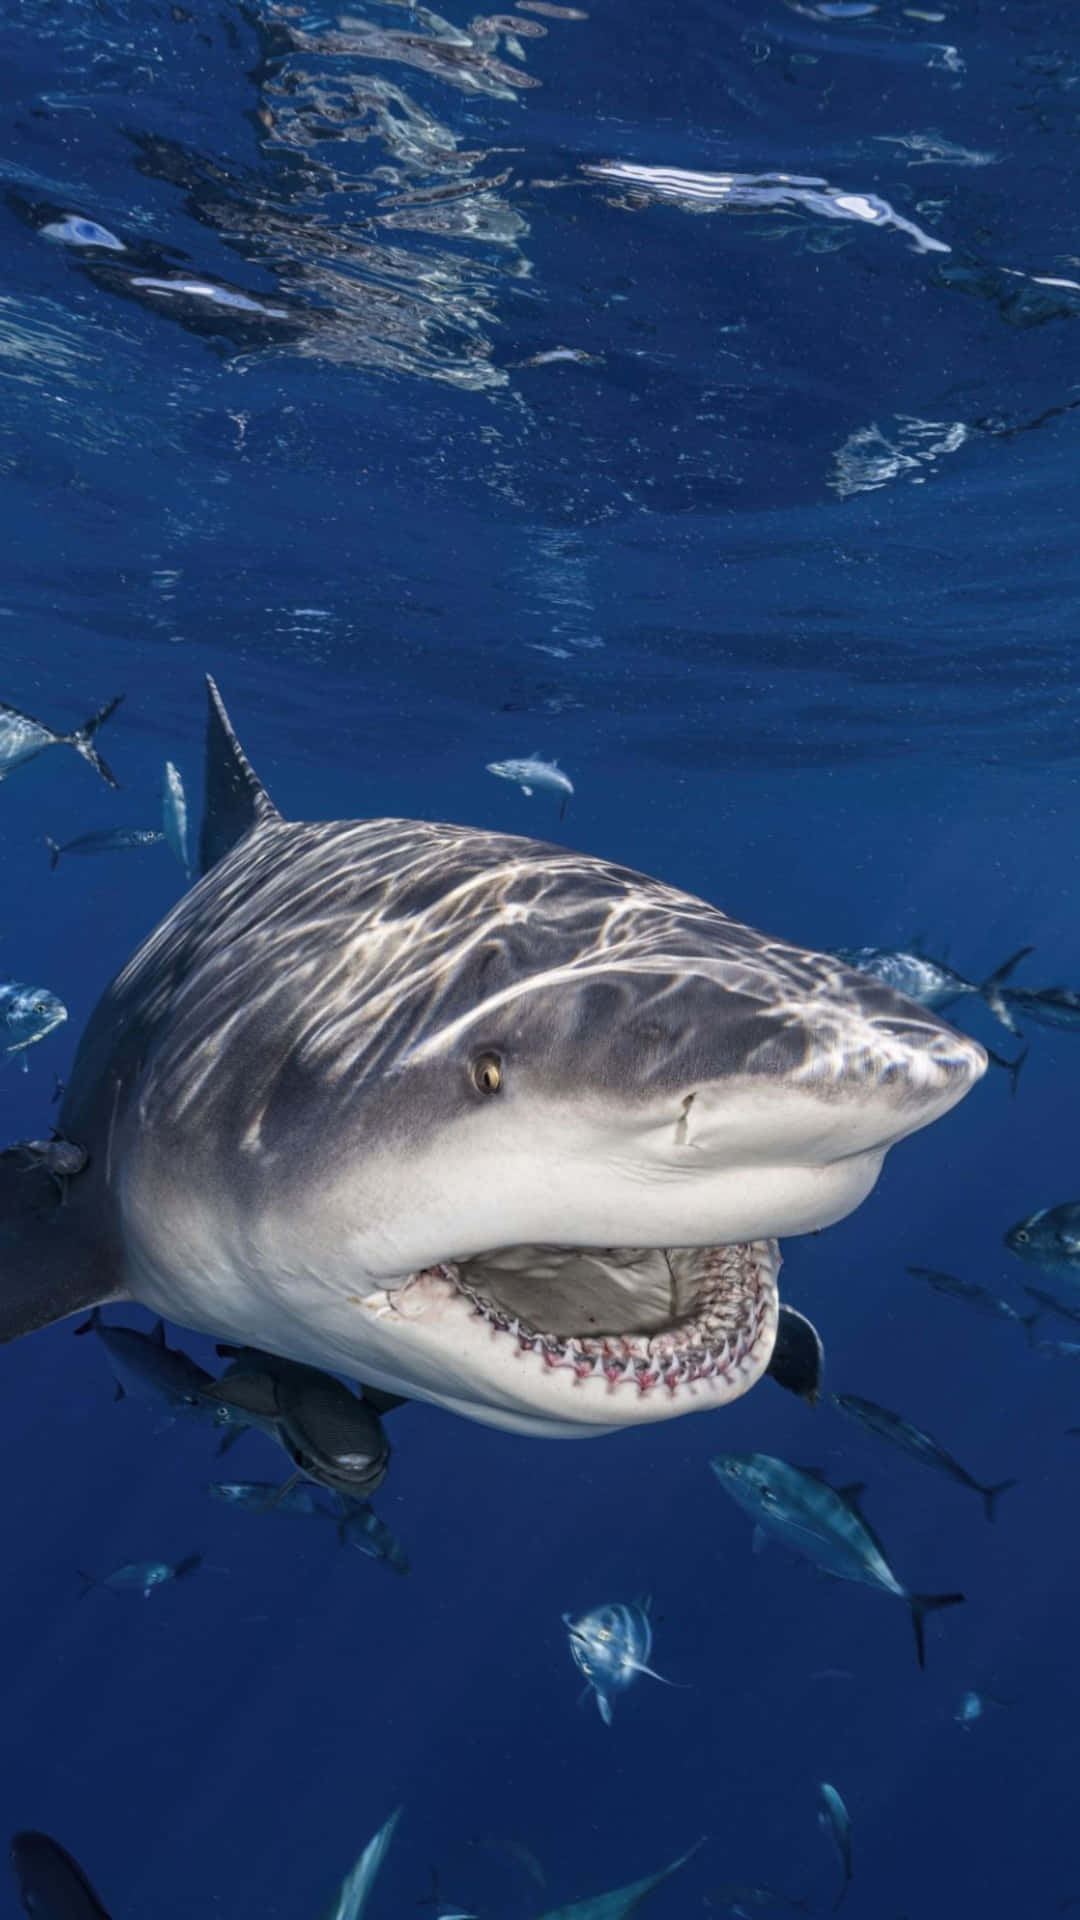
column 468, row 1117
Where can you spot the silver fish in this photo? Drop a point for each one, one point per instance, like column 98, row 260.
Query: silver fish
column 980, row 1298
column 822, row 1524
column 353, row 1894
column 143, row 1576
column 1049, row 1238
column 972, row 1706
column 359, row 1526
column 145, row 1366
column 1046, row 1006
column 836, row 1821
column 174, row 815
column 22, row 739
column 108, row 840
column 611, row 1645
column 893, row 1427
column 27, row 1014
column 532, row 773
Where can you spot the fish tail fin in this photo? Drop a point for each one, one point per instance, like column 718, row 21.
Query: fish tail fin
column 991, row 1496
column 841, row 1896
column 54, row 853
column 1012, row 1067
column 990, row 988
column 83, row 741
column 1029, row 1322
column 923, row 1603
column 189, row 1564
column 88, row 1583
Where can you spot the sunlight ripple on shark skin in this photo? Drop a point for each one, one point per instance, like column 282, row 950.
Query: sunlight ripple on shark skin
column 467, row 1117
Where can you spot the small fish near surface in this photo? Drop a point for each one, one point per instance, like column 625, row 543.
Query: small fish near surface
column 822, row 1524
column 921, row 1446
column 143, row 1576
column 108, row 840
column 533, row 774
column 22, row 739
column 27, row 1014
column 611, row 1646
column 835, row 1820
column 51, row 1885
column 979, row 1298
column 1049, row 1238
column 174, row 815
column 145, row 1366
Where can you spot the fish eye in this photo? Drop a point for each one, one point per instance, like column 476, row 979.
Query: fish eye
column 487, row 1073
column 1021, row 1235
column 39, row 1006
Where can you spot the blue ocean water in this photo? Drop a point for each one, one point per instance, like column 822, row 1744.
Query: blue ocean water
column 687, row 395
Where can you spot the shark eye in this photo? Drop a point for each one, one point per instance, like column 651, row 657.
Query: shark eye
column 487, row 1073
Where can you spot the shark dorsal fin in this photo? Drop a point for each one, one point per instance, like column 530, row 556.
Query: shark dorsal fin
column 236, row 800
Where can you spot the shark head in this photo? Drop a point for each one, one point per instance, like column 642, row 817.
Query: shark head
column 478, row 1120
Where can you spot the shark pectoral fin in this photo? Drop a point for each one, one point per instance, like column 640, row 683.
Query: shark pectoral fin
column 50, row 1265
column 798, row 1358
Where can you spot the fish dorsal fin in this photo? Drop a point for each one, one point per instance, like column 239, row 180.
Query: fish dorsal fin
column 851, row 1495
column 816, row 1473
column 157, row 1333
column 236, row 802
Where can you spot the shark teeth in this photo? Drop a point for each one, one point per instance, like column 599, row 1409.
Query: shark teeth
column 735, row 1306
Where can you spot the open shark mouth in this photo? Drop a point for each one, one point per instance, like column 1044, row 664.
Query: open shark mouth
column 699, row 1321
